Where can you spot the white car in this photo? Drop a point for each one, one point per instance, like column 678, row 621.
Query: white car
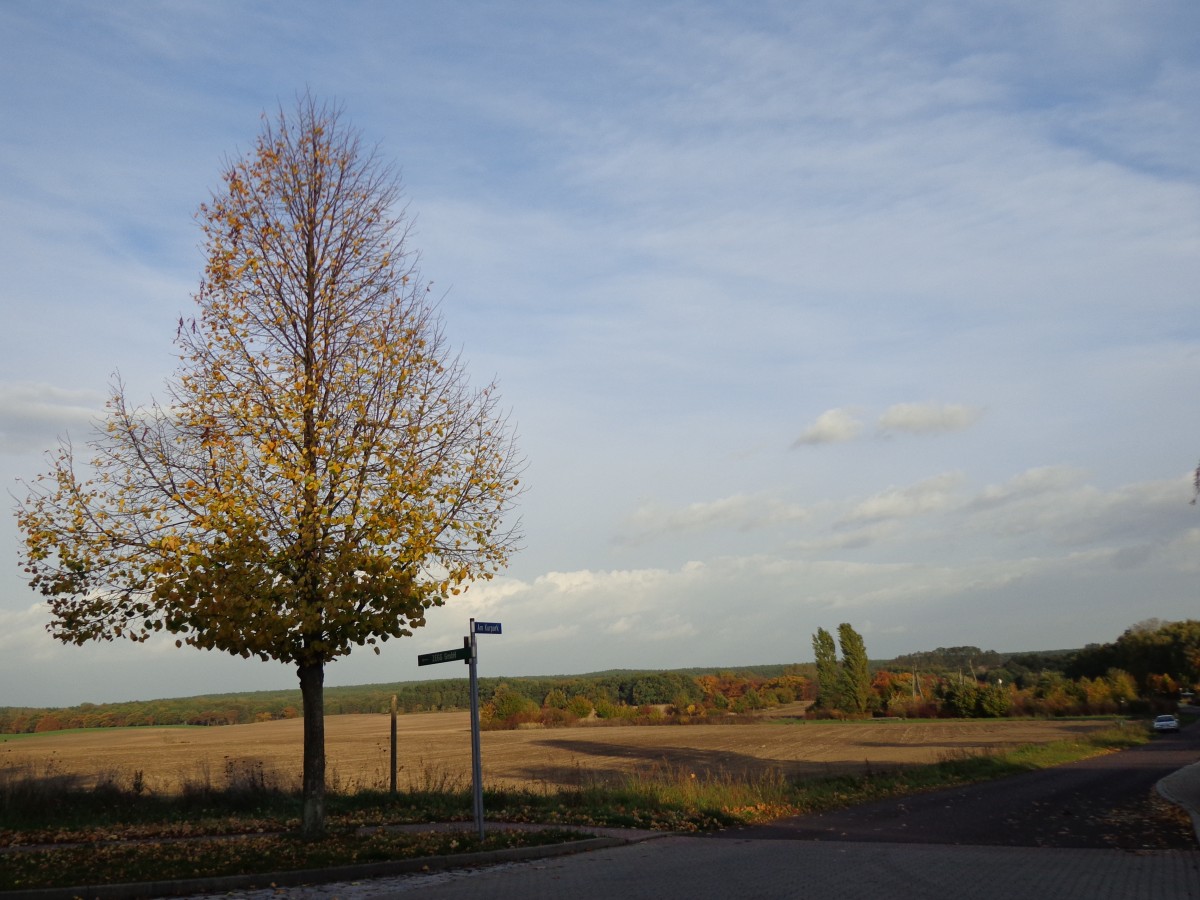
column 1166, row 723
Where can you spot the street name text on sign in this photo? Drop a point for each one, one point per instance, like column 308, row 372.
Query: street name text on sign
column 428, row 659
column 487, row 628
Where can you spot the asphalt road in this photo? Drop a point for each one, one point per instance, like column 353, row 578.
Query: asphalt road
column 1102, row 803
column 692, row 868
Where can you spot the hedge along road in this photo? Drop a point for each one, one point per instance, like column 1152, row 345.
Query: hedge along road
column 1107, row 802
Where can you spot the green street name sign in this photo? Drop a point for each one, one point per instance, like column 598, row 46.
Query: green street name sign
column 428, row 659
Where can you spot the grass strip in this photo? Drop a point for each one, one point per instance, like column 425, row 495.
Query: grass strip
column 126, row 862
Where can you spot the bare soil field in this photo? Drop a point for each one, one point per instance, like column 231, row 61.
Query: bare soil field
column 434, row 748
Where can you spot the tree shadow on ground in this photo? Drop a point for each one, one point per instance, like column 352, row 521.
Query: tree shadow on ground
column 626, row 760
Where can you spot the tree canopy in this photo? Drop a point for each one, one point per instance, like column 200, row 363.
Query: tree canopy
column 856, row 670
column 829, row 674
column 322, row 472
column 1145, row 650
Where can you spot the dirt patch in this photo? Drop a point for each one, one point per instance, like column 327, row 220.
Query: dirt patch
column 434, row 749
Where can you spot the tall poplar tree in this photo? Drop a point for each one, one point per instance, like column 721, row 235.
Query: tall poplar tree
column 856, row 671
column 322, row 473
column 829, row 673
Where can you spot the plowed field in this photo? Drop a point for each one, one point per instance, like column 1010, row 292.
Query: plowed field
column 435, row 748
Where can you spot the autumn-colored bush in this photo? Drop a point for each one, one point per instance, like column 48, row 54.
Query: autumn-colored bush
column 606, row 709
column 553, row 717
column 993, row 702
column 825, row 713
column 909, row 707
column 580, row 706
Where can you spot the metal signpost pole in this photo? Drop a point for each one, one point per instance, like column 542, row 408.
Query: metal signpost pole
column 476, row 761
column 468, row 654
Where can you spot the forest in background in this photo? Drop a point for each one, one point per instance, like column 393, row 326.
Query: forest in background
column 1146, row 668
column 616, row 687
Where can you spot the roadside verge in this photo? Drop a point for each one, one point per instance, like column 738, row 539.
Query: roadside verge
column 602, row 838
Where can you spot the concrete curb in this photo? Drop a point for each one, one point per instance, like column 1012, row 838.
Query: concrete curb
column 224, row 884
column 1183, row 789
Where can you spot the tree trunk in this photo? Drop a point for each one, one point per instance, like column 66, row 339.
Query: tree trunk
column 312, row 692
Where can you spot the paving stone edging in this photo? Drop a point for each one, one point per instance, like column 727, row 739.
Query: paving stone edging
column 1183, row 789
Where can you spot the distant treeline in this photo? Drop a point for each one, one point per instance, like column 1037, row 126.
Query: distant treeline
column 617, row 687
column 1149, row 665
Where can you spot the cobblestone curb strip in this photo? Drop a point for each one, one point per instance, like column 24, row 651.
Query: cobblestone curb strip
column 226, row 883
column 1183, row 789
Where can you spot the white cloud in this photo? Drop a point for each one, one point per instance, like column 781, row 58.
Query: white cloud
column 1054, row 508
column 839, row 425
column 742, row 512
column 1031, row 483
column 928, row 418
column 931, row 495
column 734, row 609
column 598, row 610
column 834, row 426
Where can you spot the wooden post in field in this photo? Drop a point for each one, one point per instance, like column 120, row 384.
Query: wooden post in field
column 393, row 779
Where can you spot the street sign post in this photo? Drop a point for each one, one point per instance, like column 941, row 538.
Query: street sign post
column 476, row 754
column 469, row 654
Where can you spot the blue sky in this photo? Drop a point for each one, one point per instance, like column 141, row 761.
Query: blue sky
column 806, row 313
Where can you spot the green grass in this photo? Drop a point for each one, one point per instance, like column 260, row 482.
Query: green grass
column 154, row 860
column 112, row 832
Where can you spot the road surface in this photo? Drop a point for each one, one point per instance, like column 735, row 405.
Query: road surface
column 1101, row 803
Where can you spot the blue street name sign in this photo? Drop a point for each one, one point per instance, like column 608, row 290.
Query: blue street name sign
column 487, row 628
column 428, row 659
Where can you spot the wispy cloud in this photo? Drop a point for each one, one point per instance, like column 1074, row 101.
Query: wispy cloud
column 742, row 512
column 1056, row 508
column 1031, row 483
column 856, row 538
column 834, row 426
column 931, row 495
column 928, row 418
column 33, row 416
column 23, row 633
